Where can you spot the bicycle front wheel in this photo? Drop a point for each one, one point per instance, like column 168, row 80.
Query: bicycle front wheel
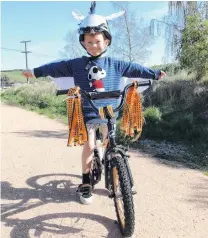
column 123, row 199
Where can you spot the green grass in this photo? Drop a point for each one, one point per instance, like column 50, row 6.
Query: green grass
column 175, row 72
column 17, row 77
column 184, row 110
column 152, row 114
column 39, row 97
column 206, row 173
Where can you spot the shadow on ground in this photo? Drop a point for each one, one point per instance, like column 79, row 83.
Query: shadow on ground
column 200, row 198
column 44, row 190
column 45, row 224
column 62, row 134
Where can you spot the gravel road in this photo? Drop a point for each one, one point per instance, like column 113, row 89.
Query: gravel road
column 39, row 176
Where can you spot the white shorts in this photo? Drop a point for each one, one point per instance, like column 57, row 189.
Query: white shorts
column 91, row 130
column 93, row 125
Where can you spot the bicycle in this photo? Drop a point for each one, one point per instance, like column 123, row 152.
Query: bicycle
column 118, row 176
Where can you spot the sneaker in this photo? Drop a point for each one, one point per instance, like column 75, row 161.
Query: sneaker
column 84, row 192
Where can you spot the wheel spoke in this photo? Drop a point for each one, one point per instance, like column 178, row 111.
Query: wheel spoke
column 118, row 196
column 123, row 199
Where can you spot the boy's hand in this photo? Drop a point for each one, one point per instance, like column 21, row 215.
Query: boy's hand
column 28, row 73
column 162, row 74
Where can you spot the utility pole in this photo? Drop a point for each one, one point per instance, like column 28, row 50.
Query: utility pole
column 26, row 52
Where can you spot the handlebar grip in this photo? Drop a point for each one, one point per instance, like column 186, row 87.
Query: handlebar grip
column 145, row 84
column 61, row 92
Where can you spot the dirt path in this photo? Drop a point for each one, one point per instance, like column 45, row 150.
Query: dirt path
column 40, row 173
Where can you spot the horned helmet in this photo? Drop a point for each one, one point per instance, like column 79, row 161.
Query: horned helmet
column 94, row 23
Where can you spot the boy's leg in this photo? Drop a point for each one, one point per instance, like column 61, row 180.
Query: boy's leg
column 85, row 188
column 88, row 149
column 104, row 130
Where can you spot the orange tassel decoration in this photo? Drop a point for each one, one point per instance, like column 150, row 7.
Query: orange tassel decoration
column 103, row 112
column 77, row 127
column 132, row 119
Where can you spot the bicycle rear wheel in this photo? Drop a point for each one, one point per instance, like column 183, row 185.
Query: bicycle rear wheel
column 123, row 199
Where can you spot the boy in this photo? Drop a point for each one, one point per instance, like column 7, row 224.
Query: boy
column 95, row 37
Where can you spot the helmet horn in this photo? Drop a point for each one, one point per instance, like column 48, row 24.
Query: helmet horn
column 92, row 8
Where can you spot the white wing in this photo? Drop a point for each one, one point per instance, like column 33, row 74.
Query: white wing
column 63, row 82
column 77, row 15
column 114, row 15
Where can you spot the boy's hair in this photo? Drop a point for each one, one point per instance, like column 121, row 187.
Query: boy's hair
column 105, row 32
column 92, row 34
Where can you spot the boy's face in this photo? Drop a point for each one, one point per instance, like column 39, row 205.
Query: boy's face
column 95, row 44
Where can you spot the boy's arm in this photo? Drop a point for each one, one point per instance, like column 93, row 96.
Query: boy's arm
column 55, row 70
column 133, row 70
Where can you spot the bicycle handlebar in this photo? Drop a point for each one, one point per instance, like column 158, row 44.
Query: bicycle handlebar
column 90, row 96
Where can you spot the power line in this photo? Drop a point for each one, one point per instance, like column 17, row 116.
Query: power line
column 38, row 54
column 44, row 55
column 8, row 49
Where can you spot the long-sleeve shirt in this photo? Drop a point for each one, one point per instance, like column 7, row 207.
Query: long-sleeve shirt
column 77, row 69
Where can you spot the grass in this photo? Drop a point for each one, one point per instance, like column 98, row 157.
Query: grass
column 174, row 72
column 184, row 111
column 152, row 114
column 39, row 97
column 206, row 173
column 15, row 76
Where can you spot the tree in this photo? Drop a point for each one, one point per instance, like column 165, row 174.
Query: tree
column 130, row 37
column 72, row 49
column 173, row 24
column 193, row 54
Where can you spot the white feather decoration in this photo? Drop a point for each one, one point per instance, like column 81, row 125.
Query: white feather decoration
column 114, row 15
column 78, row 16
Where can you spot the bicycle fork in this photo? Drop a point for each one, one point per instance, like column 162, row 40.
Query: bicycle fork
column 109, row 165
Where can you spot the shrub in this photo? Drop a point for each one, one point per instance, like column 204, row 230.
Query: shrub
column 39, row 95
column 152, row 114
column 184, row 108
column 183, row 123
column 194, row 47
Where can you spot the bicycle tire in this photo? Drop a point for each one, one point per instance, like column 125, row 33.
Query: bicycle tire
column 120, row 175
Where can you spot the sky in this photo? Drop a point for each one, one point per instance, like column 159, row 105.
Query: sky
column 46, row 24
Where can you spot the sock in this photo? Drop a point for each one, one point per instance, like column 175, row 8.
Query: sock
column 86, row 178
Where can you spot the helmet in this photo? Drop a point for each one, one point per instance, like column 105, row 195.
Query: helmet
column 94, row 23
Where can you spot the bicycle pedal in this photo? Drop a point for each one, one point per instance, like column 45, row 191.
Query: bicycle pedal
column 134, row 192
